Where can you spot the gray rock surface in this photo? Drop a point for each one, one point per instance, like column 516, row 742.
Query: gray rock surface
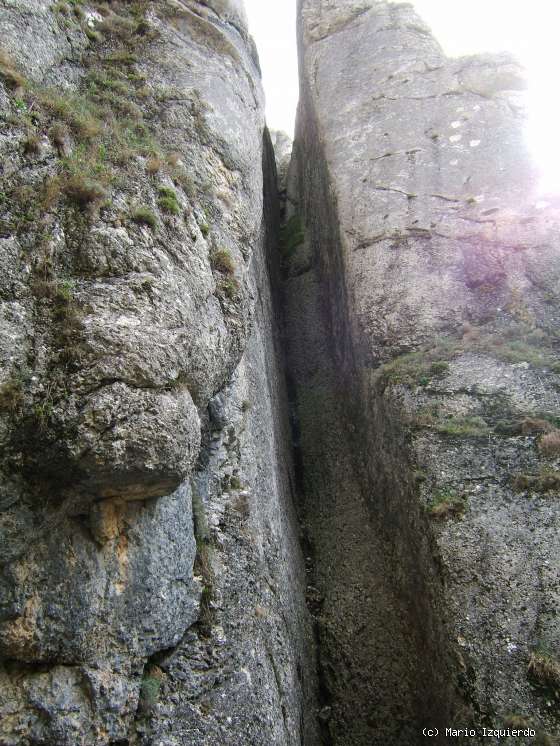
column 283, row 145
column 422, row 309
column 253, row 660
column 134, row 251
column 191, row 551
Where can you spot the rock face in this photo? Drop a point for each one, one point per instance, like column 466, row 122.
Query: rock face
column 422, row 281
column 264, row 485
column 282, row 144
column 139, row 377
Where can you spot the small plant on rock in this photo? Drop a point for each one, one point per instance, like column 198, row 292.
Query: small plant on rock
column 167, row 200
column 9, row 75
column 235, row 483
column 11, row 396
column 470, row 427
column 144, row 216
column 515, row 721
column 230, row 288
column 150, row 689
column 59, row 135
column 222, row 261
column 84, row 192
column 153, row 166
column 32, row 145
column 546, row 481
column 544, row 671
column 535, row 425
column 549, row 444
column 439, row 368
column 447, row 504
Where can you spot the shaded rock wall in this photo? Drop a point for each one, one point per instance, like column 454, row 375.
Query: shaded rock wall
column 152, row 584
column 139, row 380
column 422, row 303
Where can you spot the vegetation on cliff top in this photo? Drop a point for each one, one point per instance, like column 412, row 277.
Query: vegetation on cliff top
column 514, row 343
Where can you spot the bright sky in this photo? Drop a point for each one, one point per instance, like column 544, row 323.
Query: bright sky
column 273, row 26
column 529, row 30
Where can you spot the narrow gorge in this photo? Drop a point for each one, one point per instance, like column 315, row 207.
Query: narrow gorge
column 280, row 432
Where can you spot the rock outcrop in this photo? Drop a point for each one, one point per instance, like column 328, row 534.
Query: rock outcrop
column 422, row 282
column 269, row 485
column 139, row 376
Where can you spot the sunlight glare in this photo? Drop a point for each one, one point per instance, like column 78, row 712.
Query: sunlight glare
column 463, row 27
column 530, row 32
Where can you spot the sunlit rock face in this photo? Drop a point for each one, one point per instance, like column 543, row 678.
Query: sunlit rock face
column 230, row 10
column 423, row 337
column 133, row 244
column 283, row 152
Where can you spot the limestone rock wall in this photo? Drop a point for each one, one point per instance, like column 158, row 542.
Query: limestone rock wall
column 421, row 278
column 154, row 449
column 138, row 378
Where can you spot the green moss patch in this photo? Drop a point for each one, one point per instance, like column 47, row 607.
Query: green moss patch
column 292, row 235
column 446, row 504
column 144, row 216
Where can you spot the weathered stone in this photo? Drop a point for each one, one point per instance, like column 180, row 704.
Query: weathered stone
column 252, row 660
column 131, row 146
column 152, row 584
column 423, row 235
column 283, row 145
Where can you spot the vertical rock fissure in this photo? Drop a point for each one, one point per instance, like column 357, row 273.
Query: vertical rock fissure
column 258, row 484
column 377, row 679
column 384, row 663
column 416, row 336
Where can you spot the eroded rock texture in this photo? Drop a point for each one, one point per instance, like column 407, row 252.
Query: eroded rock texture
column 139, row 377
column 152, row 583
column 422, row 282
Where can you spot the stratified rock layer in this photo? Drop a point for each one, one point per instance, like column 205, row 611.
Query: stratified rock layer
column 136, row 379
column 422, row 307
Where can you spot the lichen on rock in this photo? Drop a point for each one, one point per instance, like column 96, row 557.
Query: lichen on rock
column 131, row 141
column 420, row 346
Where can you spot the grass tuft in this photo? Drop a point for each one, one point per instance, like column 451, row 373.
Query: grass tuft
column 150, row 689
column 167, row 201
column 472, row 427
column 515, row 721
column 144, row 216
column 59, row 135
column 515, row 344
column 547, row 481
column 447, row 504
column 11, row 397
column 439, row 368
column 9, row 75
column 544, row 670
column 535, row 425
column 153, row 166
column 222, row 261
column 84, row 192
column 230, row 288
column 32, row 145
column 549, row 444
